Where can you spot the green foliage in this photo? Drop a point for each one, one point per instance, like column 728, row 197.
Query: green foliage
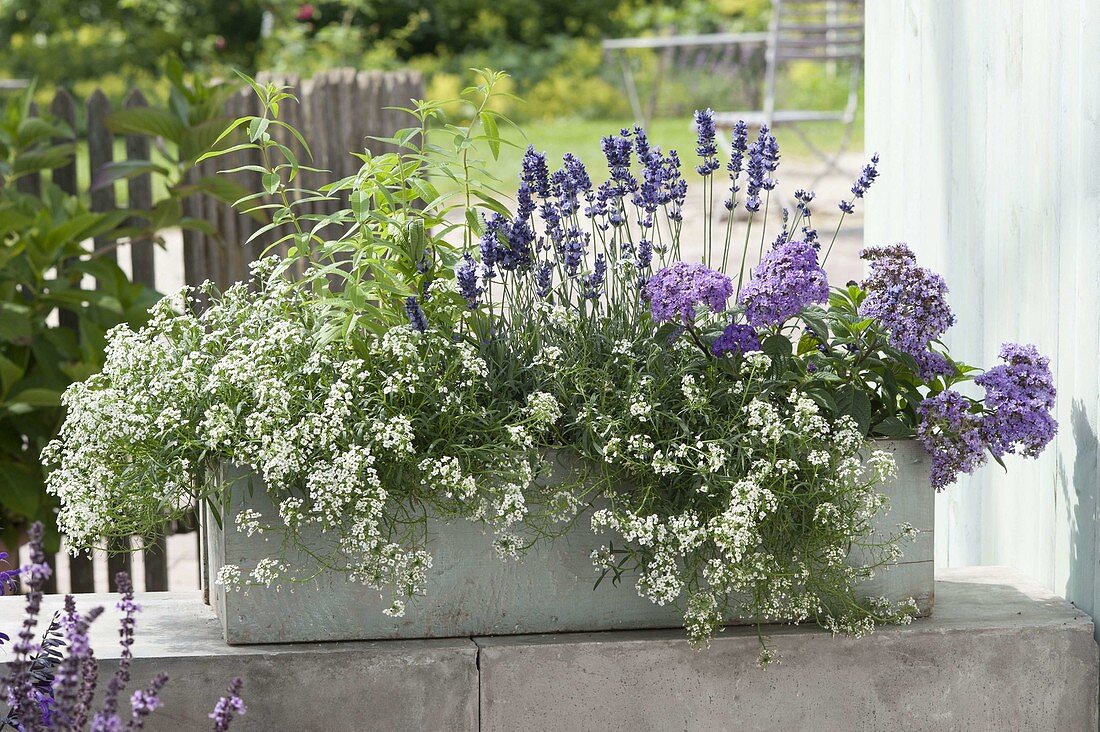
column 551, row 48
column 53, row 321
column 577, row 75
column 398, row 235
column 851, row 369
column 65, row 42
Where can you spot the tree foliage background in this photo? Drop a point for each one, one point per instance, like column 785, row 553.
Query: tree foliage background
column 549, row 46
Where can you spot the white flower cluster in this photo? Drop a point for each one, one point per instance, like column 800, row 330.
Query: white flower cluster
column 341, row 434
column 749, row 471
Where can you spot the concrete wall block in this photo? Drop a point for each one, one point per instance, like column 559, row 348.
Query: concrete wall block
column 1000, row 653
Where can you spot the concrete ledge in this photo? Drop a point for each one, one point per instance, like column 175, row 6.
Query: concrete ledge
column 1000, row 653
column 385, row 685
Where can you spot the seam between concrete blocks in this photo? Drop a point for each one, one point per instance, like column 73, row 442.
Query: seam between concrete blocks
column 477, row 667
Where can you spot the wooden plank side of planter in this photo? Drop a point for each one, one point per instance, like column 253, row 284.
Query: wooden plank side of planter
column 471, row 592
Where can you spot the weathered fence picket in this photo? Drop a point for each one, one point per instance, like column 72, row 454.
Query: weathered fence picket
column 340, row 111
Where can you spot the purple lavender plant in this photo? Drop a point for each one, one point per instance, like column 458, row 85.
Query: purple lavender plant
column 27, row 701
column 617, row 149
column 574, row 248
column 75, row 683
column 787, row 280
column 107, row 718
column 593, row 283
column 228, row 706
column 489, row 245
column 536, row 173
column 417, row 319
column 675, row 291
column 571, row 183
column 736, row 339
column 763, row 159
column 738, row 147
column 544, row 277
column 467, row 279
column 144, row 702
column 803, row 198
column 1019, row 395
column 51, row 690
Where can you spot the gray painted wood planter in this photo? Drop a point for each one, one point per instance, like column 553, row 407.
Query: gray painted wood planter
column 470, row 591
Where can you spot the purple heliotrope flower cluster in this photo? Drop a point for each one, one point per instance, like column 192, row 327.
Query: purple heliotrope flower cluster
column 951, row 432
column 1019, row 396
column 910, row 301
column 675, row 291
column 786, row 280
column 736, row 339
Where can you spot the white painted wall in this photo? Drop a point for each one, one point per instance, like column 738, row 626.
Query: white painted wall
column 987, row 116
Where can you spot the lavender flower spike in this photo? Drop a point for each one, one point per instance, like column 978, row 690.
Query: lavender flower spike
column 73, row 687
column 593, row 283
column 228, row 706
column 417, row 319
column 740, row 143
column 107, row 717
column 759, row 164
column 23, row 697
column 859, row 188
column 145, row 701
column 536, row 173
column 466, row 277
column 706, row 146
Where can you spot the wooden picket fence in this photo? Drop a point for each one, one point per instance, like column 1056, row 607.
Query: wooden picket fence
column 339, row 112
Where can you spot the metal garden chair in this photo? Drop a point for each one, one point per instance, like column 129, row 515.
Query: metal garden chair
column 828, row 32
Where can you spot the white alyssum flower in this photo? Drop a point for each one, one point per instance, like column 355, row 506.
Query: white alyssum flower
column 248, row 521
column 396, row 434
column 543, row 409
column 229, row 576
column 694, row 394
column 267, row 571
column 548, row 357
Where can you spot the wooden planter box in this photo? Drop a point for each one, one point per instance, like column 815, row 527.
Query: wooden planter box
column 471, row 592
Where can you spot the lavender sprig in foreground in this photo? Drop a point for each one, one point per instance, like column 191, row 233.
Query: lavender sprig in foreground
column 51, row 684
